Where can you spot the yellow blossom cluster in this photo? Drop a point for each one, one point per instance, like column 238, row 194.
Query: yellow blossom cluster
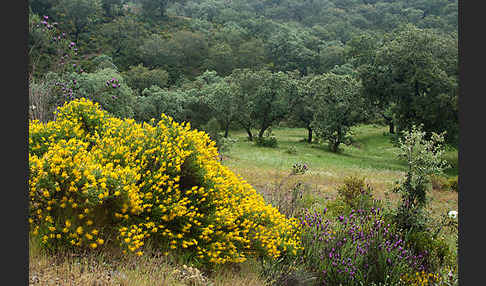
column 93, row 177
column 421, row 278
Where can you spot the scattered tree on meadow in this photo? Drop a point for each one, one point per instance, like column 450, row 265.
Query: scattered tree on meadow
column 337, row 107
column 302, row 105
column 221, row 98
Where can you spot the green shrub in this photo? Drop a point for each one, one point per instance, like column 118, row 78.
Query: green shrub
column 155, row 101
column 440, row 183
column 424, row 157
column 434, row 251
column 108, row 88
column 140, row 78
column 270, row 141
column 453, row 184
column 291, row 150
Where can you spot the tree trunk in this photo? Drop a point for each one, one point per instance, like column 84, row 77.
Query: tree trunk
column 391, row 125
column 262, row 130
column 226, row 130
column 250, row 136
column 309, row 135
column 335, row 146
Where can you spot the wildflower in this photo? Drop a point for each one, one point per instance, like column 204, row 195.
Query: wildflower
column 452, row 214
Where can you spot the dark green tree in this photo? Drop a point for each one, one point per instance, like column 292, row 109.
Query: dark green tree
column 77, row 15
column 301, row 105
column 415, row 72
column 140, row 77
column 121, row 38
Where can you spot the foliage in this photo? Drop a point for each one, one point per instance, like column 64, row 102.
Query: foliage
column 424, row 158
column 221, row 97
column 454, row 184
column 268, row 140
column 98, row 180
column 77, row 15
column 49, row 49
column 356, row 249
column 270, row 102
column 291, row 150
column 182, row 50
column 213, row 129
column 416, row 70
column 108, row 88
column 301, row 105
column 337, row 108
column 355, row 193
column 121, row 38
column 104, row 62
column 154, row 8
column 139, row 78
column 435, row 251
column 155, row 101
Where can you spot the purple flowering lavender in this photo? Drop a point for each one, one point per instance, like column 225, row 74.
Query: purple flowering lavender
column 348, row 249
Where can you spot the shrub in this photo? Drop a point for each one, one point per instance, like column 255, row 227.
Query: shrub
column 108, row 88
column 291, row 150
column 357, row 249
column 454, row 184
column 439, row 183
column 421, row 278
column 213, row 129
column 156, row 101
column 424, row 159
column 227, row 144
column 96, row 179
column 355, row 193
column 140, row 78
column 267, row 140
column 435, row 251
column 270, row 141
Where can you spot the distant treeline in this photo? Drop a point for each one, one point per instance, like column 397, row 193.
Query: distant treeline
column 323, row 65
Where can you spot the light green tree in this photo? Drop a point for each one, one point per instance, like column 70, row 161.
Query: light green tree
column 338, row 107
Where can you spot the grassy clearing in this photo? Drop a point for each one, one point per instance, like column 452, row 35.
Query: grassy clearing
column 372, row 155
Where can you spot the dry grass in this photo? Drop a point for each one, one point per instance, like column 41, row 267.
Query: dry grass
column 102, row 268
column 109, row 267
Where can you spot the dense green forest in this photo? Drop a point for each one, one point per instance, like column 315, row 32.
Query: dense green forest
column 252, row 64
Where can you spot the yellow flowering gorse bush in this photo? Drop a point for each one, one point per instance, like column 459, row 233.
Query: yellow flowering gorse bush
column 96, row 179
